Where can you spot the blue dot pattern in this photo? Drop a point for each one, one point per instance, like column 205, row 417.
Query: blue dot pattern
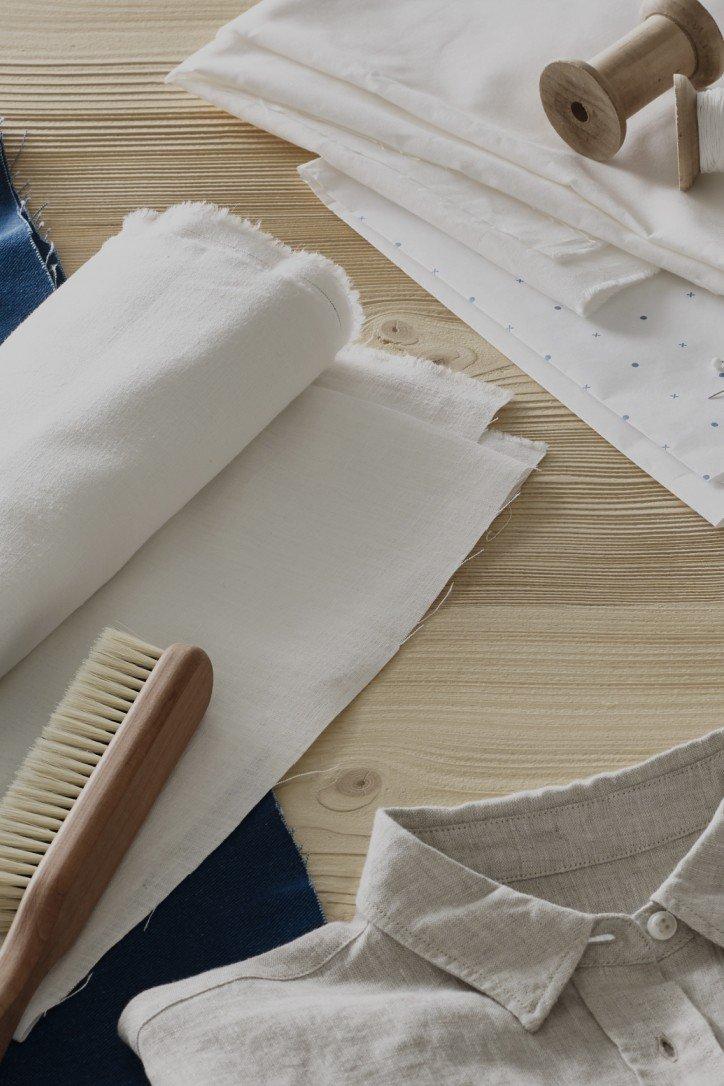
column 657, row 407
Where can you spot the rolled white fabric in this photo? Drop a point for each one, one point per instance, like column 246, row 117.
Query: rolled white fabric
column 131, row 387
column 301, row 567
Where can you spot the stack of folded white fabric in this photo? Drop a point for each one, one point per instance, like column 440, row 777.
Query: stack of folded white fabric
column 435, row 147
column 191, row 451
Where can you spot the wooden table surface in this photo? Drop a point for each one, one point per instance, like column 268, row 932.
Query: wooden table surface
column 586, row 636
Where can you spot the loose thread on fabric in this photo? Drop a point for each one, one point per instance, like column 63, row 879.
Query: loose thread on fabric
column 429, row 614
column 308, row 773
column 75, row 992
column 471, row 556
column 18, row 153
column 489, row 537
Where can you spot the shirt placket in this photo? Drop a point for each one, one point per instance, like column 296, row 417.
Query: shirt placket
column 660, row 1034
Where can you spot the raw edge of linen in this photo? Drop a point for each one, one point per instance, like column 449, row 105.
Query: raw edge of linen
column 222, row 227
column 523, row 451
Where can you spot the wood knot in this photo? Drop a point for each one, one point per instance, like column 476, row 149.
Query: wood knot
column 398, row 331
column 456, row 358
column 358, row 782
column 352, row 789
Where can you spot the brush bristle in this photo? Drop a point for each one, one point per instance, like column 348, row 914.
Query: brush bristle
column 63, row 757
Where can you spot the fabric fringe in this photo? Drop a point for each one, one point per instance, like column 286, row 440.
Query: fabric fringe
column 221, row 226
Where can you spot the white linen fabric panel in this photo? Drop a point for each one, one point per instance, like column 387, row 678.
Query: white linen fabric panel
column 116, row 383
column 501, row 313
column 300, row 568
column 331, row 117
column 470, row 72
column 417, row 387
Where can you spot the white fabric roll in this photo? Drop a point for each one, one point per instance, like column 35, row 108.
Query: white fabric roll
column 300, row 568
column 134, row 385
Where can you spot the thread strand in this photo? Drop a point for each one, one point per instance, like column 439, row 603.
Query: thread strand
column 710, row 114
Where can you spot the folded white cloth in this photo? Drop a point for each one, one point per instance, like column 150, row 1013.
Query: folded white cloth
column 450, row 145
column 457, row 86
column 635, row 378
column 301, row 567
column 406, row 160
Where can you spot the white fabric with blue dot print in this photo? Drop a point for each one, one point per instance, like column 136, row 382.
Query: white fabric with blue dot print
column 640, row 373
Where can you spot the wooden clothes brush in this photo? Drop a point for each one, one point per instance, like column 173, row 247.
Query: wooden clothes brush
column 81, row 796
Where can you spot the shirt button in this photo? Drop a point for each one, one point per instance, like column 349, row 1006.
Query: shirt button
column 661, row 926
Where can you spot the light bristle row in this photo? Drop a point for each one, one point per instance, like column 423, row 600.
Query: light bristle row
column 64, row 756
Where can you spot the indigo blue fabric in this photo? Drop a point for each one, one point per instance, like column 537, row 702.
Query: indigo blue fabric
column 29, row 265
column 250, row 895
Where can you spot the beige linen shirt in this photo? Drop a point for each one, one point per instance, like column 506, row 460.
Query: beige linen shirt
column 566, row 937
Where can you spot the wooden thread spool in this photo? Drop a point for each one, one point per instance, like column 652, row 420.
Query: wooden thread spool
column 589, row 102
column 687, row 132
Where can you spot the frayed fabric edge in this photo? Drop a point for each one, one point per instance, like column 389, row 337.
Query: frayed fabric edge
column 207, row 222
column 473, row 388
column 38, row 235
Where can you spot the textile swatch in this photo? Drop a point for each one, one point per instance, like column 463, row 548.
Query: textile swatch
column 234, row 475
column 250, row 895
column 644, row 382
column 30, row 269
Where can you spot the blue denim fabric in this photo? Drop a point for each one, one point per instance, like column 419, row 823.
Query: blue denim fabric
column 29, row 266
column 250, row 895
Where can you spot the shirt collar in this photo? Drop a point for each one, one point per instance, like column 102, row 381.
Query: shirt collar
column 435, row 878
column 693, row 890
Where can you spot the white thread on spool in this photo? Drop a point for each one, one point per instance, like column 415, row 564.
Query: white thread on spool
column 710, row 115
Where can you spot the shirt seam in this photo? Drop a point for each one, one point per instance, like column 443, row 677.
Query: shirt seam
column 496, row 991
column 640, row 961
column 302, row 972
column 576, row 866
column 536, row 811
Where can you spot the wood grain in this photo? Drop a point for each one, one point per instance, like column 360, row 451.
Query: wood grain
column 587, row 635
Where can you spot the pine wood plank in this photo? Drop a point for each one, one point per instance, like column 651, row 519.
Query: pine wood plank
column 588, row 634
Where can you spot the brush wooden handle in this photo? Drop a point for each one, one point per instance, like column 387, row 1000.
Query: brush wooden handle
column 101, row 826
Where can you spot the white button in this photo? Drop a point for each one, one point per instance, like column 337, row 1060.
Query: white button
column 661, row 926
